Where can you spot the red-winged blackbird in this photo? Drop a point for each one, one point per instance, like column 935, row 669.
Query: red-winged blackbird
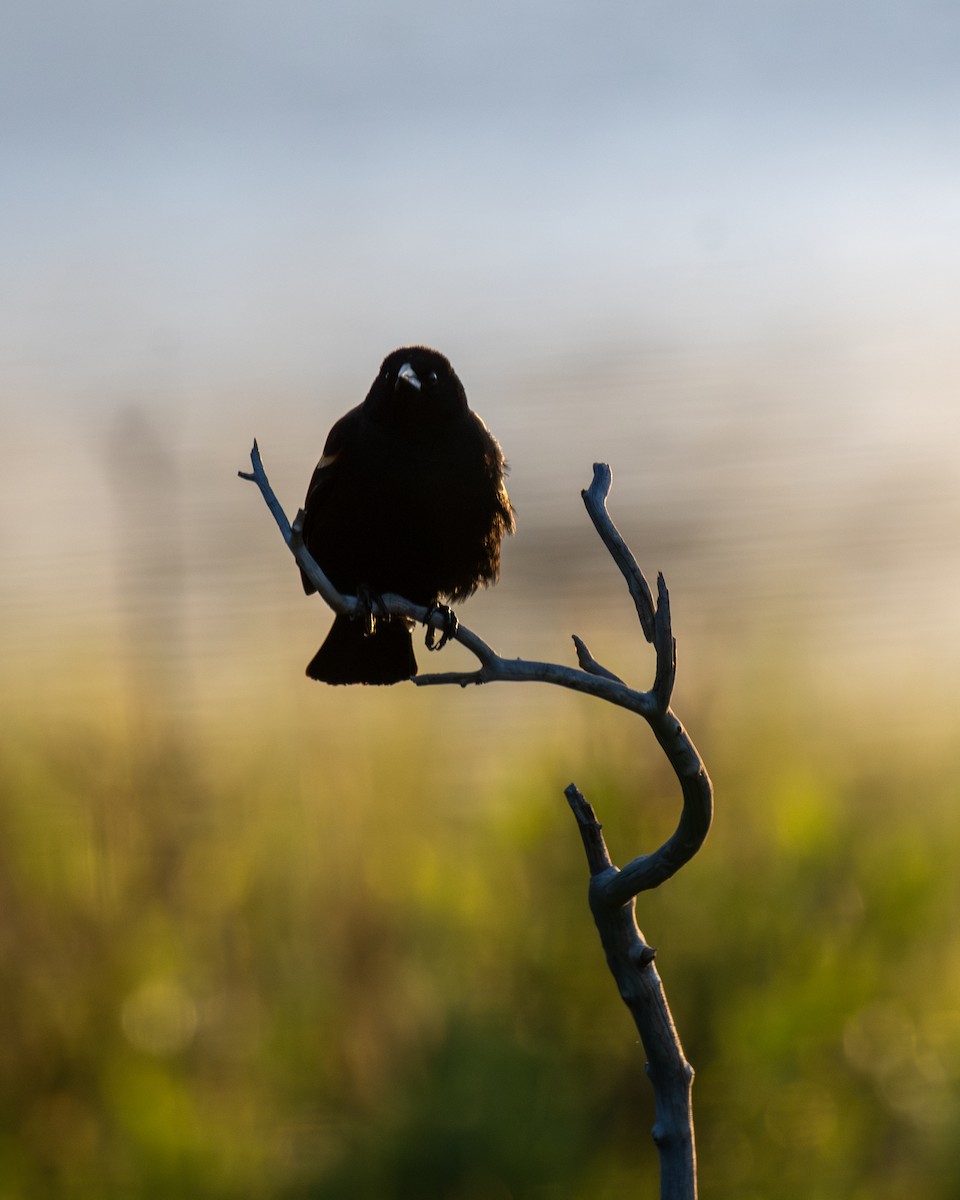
column 408, row 497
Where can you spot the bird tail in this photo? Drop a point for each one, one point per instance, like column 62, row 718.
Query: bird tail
column 349, row 655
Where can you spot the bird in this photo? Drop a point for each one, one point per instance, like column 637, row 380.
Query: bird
column 409, row 497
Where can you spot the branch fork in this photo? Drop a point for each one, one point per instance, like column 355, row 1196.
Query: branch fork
column 612, row 890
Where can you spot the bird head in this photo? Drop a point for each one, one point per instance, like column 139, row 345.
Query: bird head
column 416, row 386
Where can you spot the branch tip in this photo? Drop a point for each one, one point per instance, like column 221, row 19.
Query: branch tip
column 589, row 663
column 666, row 647
column 594, row 498
column 591, row 831
column 602, row 478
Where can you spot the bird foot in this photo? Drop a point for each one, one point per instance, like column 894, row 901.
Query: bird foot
column 368, row 602
column 450, row 626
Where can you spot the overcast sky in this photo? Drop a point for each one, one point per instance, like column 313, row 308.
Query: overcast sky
column 716, row 244
column 256, row 187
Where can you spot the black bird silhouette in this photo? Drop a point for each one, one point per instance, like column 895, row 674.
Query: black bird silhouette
column 409, row 497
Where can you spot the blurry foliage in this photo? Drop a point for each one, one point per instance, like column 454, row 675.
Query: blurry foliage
column 321, row 953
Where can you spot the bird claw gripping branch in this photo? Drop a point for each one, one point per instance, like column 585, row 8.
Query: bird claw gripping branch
column 449, row 630
column 368, row 603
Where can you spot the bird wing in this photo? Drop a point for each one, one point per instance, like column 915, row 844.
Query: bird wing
column 336, row 450
column 338, row 443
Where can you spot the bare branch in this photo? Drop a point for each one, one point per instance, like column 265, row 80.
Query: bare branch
column 612, row 890
column 631, row 962
column 649, row 870
column 259, row 476
column 598, row 857
column 666, row 647
column 595, row 499
column 589, row 663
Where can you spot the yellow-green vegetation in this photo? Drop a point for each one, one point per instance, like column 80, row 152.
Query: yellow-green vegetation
column 338, row 945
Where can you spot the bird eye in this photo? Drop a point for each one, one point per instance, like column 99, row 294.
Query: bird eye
column 432, row 377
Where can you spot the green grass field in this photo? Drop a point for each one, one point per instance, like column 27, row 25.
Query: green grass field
column 337, row 944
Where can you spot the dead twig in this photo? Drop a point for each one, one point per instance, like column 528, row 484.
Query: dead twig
column 613, row 890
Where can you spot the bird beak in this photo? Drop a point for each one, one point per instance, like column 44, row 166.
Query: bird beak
column 407, row 374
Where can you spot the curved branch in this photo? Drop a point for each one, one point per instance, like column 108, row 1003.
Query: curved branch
column 612, row 890
column 648, row 870
column 595, row 499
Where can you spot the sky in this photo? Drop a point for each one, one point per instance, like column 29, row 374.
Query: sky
column 716, row 245
column 231, row 184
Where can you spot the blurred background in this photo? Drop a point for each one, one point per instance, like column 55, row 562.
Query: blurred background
column 261, row 938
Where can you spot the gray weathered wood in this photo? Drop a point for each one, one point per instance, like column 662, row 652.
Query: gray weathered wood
column 612, row 890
